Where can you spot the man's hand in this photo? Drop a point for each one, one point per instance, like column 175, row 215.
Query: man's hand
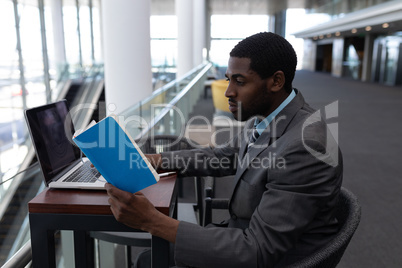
column 155, row 160
column 135, row 210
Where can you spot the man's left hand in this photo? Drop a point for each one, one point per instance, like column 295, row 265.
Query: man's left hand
column 136, row 211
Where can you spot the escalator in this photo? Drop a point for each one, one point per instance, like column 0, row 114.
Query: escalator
column 72, row 91
column 14, row 226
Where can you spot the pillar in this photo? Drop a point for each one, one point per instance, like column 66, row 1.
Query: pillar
column 58, row 35
column 184, row 12
column 199, row 33
column 127, row 53
column 309, row 55
column 208, row 15
column 280, row 22
column 337, row 56
column 271, row 23
column 367, row 57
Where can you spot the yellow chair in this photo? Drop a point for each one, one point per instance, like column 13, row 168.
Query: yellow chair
column 218, row 89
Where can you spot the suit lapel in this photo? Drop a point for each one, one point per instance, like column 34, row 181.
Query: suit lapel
column 273, row 132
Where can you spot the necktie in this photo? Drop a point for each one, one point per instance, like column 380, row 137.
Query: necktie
column 254, row 136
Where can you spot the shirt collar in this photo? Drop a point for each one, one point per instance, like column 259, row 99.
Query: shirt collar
column 261, row 126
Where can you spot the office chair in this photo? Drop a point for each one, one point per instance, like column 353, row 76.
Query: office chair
column 152, row 145
column 348, row 213
column 210, row 202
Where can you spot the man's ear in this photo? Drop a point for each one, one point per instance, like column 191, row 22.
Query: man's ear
column 278, row 81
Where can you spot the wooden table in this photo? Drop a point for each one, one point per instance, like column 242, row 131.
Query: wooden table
column 87, row 210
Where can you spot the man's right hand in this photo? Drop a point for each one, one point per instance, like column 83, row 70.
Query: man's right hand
column 155, row 160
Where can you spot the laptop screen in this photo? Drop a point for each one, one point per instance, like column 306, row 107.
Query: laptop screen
column 51, row 132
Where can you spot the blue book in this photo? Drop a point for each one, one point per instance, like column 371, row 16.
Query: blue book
column 116, row 155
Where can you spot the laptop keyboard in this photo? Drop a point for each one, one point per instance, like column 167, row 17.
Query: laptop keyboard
column 84, row 173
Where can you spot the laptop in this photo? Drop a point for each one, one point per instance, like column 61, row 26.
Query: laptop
column 51, row 130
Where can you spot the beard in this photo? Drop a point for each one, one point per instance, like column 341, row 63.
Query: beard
column 258, row 106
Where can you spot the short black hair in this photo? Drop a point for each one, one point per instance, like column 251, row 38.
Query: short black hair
column 268, row 53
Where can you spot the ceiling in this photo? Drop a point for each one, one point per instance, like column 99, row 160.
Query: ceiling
column 382, row 19
column 363, row 14
column 389, row 11
column 230, row 7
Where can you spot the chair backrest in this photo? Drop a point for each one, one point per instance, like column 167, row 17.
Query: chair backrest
column 218, row 89
column 348, row 214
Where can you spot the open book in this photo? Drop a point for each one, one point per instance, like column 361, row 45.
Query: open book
column 116, row 155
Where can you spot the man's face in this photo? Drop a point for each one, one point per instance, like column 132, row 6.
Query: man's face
column 248, row 94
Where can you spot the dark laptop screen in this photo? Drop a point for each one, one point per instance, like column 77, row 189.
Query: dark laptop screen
column 52, row 140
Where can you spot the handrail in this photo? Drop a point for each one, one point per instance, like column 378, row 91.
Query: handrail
column 164, row 88
column 21, row 258
column 15, row 181
column 22, row 171
column 174, row 101
column 159, row 101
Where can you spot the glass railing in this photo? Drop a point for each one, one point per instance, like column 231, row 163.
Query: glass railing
column 168, row 108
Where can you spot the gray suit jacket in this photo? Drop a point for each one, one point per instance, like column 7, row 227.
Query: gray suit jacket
column 284, row 192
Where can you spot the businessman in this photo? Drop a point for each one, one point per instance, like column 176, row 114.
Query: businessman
column 279, row 213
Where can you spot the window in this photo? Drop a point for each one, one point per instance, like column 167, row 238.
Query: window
column 228, row 30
